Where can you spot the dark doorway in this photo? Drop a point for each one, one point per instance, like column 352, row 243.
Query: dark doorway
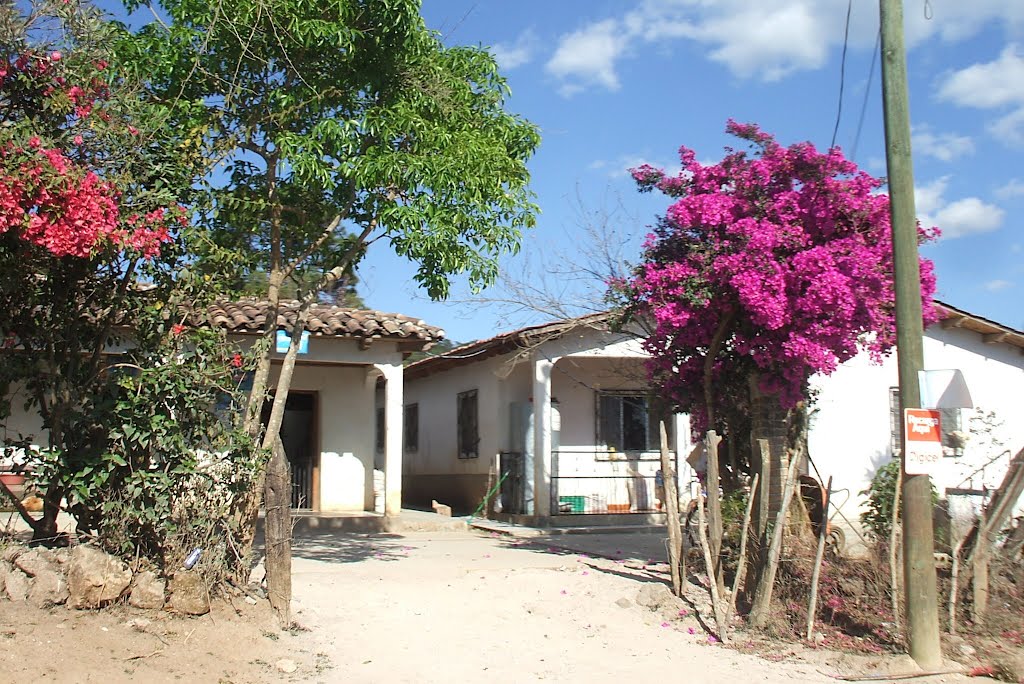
column 298, row 434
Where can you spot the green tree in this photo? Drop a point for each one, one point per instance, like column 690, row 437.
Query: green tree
column 341, row 123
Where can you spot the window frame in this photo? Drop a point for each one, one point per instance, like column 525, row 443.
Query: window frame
column 411, row 427
column 467, row 424
column 380, row 430
column 651, row 436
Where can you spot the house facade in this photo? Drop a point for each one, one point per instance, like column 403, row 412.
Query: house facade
column 346, row 358
column 855, row 427
column 472, row 416
column 560, row 414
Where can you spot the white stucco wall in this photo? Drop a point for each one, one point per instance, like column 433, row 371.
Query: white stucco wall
column 849, row 436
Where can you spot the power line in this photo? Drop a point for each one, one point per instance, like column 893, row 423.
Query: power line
column 867, row 93
column 842, row 72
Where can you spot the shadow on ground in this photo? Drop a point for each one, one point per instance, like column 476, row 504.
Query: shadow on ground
column 334, row 547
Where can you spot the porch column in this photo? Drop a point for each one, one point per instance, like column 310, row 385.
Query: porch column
column 393, row 398
column 542, row 435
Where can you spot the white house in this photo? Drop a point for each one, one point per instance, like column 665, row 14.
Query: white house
column 328, row 428
column 470, row 416
column 855, row 428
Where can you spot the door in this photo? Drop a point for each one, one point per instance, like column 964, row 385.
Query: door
column 298, row 435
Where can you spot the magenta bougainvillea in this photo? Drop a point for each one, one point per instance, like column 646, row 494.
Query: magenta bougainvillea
column 50, row 195
column 784, row 252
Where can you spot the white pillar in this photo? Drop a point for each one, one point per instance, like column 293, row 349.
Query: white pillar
column 393, row 400
column 542, row 435
column 684, row 473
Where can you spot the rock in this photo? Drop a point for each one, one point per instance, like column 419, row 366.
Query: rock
column 11, row 552
column 138, row 624
column 148, row 591
column 623, row 602
column 819, row 639
column 34, row 562
column 287, row 666
column 1008, row 667
column 258, row 573
column 189, row 593
column 966, row 649
column 95, row 578
column 61, row 556
column 49, row 588
column 5, row 568
column 16, row 585
column 655, row 596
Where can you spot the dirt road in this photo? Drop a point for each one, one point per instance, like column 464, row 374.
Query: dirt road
column 461, row 607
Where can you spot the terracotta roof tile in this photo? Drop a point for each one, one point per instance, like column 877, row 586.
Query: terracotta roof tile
column 327, row 320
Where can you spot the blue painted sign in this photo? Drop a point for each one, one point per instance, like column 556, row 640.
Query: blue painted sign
column 284, row 340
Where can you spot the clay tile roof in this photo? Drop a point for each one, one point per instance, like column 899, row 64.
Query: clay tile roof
column 326, row 320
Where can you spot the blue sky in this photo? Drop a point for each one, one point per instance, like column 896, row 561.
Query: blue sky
column 615, row 83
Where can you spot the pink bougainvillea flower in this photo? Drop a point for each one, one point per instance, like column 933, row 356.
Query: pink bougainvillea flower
column 787, row 249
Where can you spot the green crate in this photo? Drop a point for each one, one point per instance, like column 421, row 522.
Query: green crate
column 576, row 504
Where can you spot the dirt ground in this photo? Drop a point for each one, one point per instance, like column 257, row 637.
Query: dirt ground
column 428, row 607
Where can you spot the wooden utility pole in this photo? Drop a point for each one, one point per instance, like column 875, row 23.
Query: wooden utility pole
column 918, row 540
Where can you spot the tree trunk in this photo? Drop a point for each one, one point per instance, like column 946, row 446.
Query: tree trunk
column 279, row 534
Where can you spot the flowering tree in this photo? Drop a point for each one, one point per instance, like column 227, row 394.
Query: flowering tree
column 773, row 265
column 90, row 184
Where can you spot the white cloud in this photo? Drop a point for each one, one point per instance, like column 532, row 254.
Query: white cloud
column 517, row 53
column 620, row 166
column 766, row 40
column 1013, row 188
column 928, row 198
column 998, row 84
column 997, row 285
column 587, row 57
column 942, row 146
column 965, row 216
column 1009, row 128
column 987, row 85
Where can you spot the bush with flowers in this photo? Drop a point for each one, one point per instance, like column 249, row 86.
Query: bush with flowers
column 92, row 187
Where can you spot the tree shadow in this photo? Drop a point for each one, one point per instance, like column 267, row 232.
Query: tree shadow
column 345, row 547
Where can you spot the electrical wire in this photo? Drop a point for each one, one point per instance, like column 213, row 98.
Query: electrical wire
column 842, row 72
column 867, row 94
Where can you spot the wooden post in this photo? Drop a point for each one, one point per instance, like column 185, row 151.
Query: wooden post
column 816, row 575
column 894, row 554
column 668, row 476
column 714, row 509
column 716, row 596
column 766, row 583
column 277, row 500
column 741, row 564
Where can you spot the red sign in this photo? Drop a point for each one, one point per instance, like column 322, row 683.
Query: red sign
column 922, row 430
